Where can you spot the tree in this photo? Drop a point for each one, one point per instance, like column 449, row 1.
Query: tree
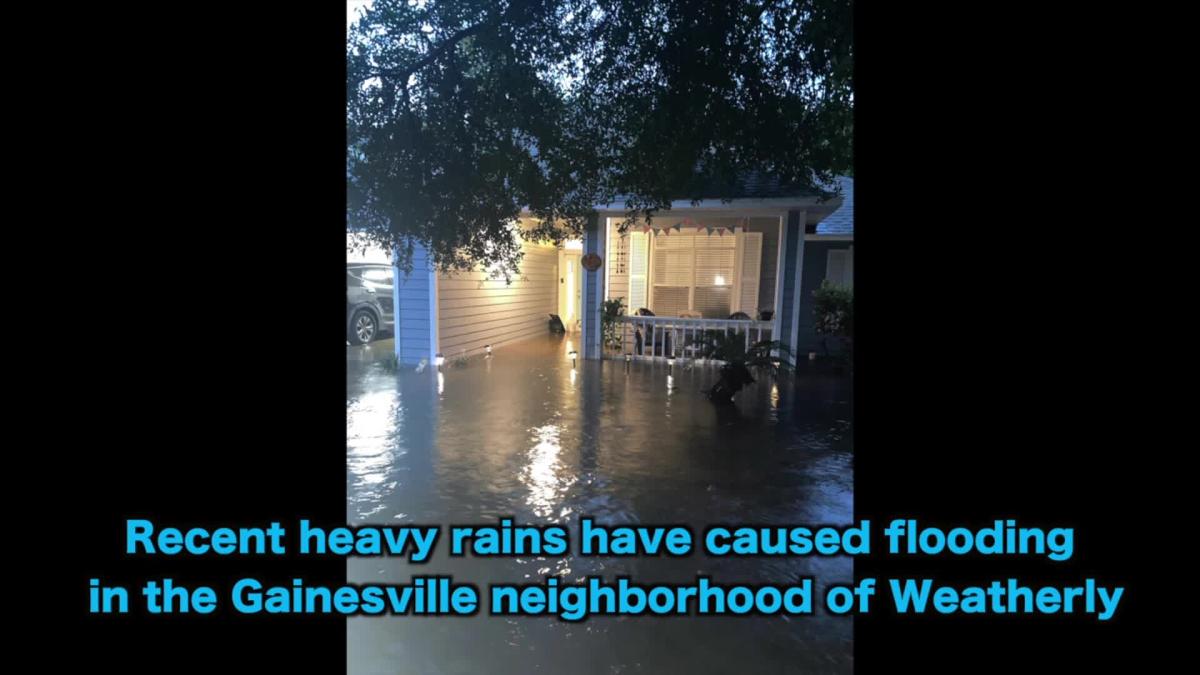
column 462, row 112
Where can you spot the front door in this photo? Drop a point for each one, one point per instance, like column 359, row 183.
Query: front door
column 570, row 288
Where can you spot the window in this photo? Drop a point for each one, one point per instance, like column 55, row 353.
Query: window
column 693, row 273
column 377, row 274
column 839, row 267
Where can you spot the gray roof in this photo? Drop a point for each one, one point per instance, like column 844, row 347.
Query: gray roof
column 841, row 221
column 750, row 185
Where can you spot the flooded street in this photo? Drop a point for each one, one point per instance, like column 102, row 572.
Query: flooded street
column 525, row 435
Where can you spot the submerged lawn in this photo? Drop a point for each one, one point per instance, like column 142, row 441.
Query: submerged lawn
column 523, row 435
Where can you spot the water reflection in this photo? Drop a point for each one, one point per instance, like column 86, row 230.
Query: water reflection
column 371, row 455
column 525, row 434
column 545, row 476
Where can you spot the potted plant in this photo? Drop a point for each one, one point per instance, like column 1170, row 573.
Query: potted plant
column 611, row 312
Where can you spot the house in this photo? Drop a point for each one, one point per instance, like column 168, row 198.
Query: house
column 828, row 254
column 725, row 265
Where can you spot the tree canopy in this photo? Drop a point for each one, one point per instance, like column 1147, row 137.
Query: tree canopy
column 460, row 113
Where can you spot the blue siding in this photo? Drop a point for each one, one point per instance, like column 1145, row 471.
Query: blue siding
column 593, row 288
column 815, row 258
column 413, row 303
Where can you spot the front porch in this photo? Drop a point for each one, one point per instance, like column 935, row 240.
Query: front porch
column 697, row 272
column 669, row 337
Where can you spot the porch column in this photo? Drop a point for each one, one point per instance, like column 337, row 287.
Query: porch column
column 593, row 287
column 414, row 302
column 792, row 277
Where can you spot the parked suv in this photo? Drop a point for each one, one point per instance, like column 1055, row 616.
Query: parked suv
column 368, row 301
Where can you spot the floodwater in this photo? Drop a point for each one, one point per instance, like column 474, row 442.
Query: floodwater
column 524, row 434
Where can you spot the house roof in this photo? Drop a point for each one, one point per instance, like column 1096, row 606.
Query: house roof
column 754, row 190
column 841, row 221
column 751, row 185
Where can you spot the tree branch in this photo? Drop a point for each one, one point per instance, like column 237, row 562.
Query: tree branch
column 403, row 73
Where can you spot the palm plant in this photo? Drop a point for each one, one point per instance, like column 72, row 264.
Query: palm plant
column 738, row 361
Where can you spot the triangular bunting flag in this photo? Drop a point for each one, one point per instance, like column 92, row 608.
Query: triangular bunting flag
column 677, row 226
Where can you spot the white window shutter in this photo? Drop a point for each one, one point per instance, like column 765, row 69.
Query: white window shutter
column 750, row 272
column 836, row 266
column 639, row 260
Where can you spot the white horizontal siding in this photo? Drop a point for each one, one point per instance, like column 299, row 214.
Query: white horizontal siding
column 475, row 310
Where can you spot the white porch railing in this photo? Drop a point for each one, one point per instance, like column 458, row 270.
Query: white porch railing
column 658, row 337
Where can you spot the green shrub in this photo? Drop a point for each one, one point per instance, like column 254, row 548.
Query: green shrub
column 833, row 313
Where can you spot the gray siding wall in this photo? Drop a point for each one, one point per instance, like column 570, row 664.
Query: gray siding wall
column 795, row 233
column 815, row 258
column 475, row 310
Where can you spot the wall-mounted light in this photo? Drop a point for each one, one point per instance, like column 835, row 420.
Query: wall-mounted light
column 670, row 360
column 439, row 360
column 628, row 358
column 488, row 349
column 572, row 355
